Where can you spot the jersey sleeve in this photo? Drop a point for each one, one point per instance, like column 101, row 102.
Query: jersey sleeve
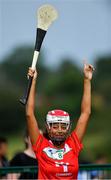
column 37, row 146
column 78, row 146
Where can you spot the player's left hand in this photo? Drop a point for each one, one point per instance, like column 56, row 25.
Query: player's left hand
column 32, row 73
column 88, row 71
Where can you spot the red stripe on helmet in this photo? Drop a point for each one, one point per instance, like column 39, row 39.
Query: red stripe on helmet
column 58, row 112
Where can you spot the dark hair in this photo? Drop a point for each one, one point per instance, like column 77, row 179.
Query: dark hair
column 45, row 134
column 26, row 133
column 100, row 156
column 3, row 140
column 25, row 136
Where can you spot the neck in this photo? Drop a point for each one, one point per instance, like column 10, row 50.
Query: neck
column 58, row 143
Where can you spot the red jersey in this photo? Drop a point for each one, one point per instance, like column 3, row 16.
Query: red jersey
column 57, row 163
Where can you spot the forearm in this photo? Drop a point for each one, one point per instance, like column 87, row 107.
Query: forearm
column 85, row 110
column 86, row 100
column 31, row 120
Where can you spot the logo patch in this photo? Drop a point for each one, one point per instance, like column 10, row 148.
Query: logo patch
column 56, row 153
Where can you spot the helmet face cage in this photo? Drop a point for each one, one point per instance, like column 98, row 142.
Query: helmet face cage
column 58, row 116
column 51, row 124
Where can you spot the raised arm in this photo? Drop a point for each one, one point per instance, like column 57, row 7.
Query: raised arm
column 30, row 107
column 86, row 102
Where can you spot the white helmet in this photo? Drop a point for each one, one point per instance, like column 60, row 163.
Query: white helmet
column 58, row 116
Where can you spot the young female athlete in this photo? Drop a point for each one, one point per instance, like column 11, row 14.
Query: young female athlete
column 57, row 152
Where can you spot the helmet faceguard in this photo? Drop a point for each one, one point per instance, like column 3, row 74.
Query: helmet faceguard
column 58, row 116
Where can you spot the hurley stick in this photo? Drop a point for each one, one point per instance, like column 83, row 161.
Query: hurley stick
column 46, row 15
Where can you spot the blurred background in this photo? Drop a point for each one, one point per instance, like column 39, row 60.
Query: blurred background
column 82, row 31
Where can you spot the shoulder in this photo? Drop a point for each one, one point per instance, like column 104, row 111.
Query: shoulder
column 40, row 143
column 18, row 155
column 16, row 159
column 74, row 142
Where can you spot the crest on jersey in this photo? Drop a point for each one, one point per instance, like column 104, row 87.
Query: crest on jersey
column 57, row 153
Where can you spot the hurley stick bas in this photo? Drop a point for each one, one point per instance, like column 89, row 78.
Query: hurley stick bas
column 45, row 16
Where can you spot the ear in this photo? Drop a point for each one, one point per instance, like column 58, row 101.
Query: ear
column 47, row 127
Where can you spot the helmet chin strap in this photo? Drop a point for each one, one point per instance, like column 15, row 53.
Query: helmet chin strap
column 58, row 141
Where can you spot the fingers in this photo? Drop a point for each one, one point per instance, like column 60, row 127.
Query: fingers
column 91, row 67
column 85, row 63
column 31, row 72
column 88, row 66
